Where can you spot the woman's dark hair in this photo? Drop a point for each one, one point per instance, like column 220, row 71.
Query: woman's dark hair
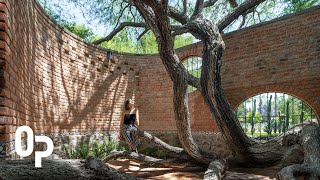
column 126, row 104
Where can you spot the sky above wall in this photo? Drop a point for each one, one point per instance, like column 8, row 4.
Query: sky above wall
column 70, row 11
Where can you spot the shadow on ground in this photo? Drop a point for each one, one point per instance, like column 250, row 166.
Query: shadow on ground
column 54, row 170
column 185, row 171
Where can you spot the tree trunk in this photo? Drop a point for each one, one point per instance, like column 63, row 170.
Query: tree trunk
column 310, row 169
column 212, row 92
column 246, row 150
column 156, row 17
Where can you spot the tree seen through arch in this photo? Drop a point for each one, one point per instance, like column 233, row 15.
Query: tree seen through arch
column 269, row 114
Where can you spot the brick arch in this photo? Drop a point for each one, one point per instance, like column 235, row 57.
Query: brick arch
column 284, row 92
column 305, row 95
column 190, row 50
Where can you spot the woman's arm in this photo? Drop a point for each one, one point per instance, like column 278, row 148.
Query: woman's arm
column 137, row 118
column 121, row 124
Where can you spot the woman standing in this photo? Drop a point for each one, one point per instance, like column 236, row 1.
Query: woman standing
column 129, row 123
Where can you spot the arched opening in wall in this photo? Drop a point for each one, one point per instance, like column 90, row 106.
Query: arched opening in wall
column 193, row 65
column 267, row 115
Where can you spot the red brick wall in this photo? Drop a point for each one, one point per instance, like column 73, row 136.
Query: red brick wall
column 5, row 35
column 54, row 82
column 278, row 56
column 155, row 96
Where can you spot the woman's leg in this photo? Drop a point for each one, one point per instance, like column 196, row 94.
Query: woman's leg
column 134, row 136
column 128, row 137
column 130, row 133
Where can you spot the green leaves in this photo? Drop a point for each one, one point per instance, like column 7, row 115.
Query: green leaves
column 298, row 5
column 156, row 152
column 80, row 30
column 97, row 149
column 110, row 13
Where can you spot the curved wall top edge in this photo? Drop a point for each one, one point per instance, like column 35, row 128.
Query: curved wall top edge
column 181, row 49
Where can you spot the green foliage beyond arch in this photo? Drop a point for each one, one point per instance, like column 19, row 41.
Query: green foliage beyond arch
column 275, row 113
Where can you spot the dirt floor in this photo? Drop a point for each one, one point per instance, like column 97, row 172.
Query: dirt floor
column 186, row 172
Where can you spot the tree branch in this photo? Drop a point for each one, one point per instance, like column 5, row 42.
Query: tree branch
column 179, row 30
column 121, row 13
column 134, row 17
column 258, row 15
column 184, row 6
column 243, row 21
column 182, row 17
column 198, row 9
column 210, row 3
column 244, row 15
column 177, row 15
column 233, row 3
column 143, row 33
column 118, row 29
column 194, row 81
column 237, row 12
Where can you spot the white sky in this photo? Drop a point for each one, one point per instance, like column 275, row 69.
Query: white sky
column 75, row 12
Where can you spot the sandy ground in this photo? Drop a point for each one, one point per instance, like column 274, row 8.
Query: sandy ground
column 136, row 169
column 185, row 172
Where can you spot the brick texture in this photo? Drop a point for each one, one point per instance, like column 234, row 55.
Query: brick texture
column 52, row 81
column 278, row 56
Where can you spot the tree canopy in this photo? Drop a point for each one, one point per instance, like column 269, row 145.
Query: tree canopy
column 134, row 37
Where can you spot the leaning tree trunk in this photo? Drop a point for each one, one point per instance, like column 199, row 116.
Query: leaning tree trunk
column 244, row 148
column 212, row 92
column 157, row 18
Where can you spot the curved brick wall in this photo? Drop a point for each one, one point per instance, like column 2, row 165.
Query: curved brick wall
column 54, row 82
column 60, row 86
column 282, row 55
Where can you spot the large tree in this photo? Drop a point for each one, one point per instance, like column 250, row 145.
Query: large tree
column 168, row 19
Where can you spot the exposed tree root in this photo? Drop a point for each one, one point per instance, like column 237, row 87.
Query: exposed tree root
column 131, row 155
column 310, row 169
column 160, row 143
column 272, row 152
column 216, row 170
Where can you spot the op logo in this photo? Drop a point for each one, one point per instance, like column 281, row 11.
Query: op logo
column 28, row 151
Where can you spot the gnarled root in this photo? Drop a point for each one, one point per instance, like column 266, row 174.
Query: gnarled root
column 310, row 169
column 216, row 170
column 160, row 143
